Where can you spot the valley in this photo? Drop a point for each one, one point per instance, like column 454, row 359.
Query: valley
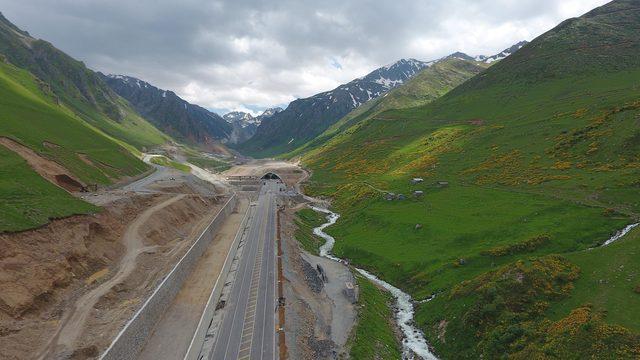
column 462, row 207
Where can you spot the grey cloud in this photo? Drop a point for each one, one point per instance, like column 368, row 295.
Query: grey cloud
column 254, row 53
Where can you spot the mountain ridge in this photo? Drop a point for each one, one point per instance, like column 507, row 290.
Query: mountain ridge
column 77, row 87
column 175, row 116
column 245, row 125
column 307, row 118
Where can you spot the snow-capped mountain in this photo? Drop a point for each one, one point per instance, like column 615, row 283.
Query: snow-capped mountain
column 169, row 113
column 245, row 125
column 503, row 54
column 322, row 110
column 246, row 119
column 243, row 118
column 306, row 118
column 269, row 113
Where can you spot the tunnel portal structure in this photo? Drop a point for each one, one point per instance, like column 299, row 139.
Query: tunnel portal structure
column 271, row 176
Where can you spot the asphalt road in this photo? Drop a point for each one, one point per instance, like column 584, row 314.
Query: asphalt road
column 248, row 327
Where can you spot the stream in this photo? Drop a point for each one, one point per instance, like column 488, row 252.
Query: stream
column 413, row 341
column 620, row 234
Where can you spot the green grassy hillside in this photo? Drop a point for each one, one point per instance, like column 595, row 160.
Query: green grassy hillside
column 426, row 86
column 27, row 200
column 78, row 88
column 30, row 115
column 541, row 156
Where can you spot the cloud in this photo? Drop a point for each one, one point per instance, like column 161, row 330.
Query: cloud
column 252, row 54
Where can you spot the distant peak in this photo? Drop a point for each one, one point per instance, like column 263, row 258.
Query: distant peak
column 271, row 111
column 460, row 55
column 4, row 22
column 503, row 54
column 130, row 80
column 405, row 62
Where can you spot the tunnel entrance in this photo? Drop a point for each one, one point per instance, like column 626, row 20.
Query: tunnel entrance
column 271, row 176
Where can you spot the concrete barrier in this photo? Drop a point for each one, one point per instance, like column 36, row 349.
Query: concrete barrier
column 132, row 338
column 209, row 310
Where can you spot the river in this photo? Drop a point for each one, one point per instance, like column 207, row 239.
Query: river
column 413, row 342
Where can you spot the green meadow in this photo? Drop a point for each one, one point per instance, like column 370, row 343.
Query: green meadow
column 164, row 161
column 28, row 200
column 209, row 163
column 307, row 219
column 30, row 115
column 372, row 336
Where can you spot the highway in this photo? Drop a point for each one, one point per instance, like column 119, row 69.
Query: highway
column 249, row 322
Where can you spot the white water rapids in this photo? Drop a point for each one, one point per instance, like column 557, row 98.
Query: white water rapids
column 414, row 341
column 620, row 234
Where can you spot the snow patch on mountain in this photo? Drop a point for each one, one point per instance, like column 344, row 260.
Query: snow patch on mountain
column 245, row 119
column 502, row 55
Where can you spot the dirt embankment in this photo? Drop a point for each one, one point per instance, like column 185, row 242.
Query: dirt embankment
column 44, row 272
column 48, row 169
column 318, row 316
column 290, row 173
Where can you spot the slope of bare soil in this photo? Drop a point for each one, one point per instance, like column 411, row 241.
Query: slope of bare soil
column 91, row 272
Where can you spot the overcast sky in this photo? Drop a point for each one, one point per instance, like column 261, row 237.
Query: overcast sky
column 252, row 54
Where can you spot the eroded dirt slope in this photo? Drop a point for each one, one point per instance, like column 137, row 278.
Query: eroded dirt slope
column 44, row 272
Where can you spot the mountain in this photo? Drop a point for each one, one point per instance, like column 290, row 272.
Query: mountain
column 77, row 87
column 246, row 119
column 46, row 151
column 306, row 118
column 268, row 113
column 428, row 85
column 528, row 168
column 245, row 125
column 503, row 54
column 176, row 117
column 243, row 118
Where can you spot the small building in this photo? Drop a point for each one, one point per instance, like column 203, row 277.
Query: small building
column 418, row 193
column 416, row 180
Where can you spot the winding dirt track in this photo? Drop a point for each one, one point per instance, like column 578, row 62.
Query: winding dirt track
column 74, row 321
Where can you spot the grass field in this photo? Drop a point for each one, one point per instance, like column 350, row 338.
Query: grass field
column 132, row 129
column 609, row 281
column 164, row 161
column 28, row 200
column 372, row 336
column 459, row 223
column 209, row 163
column 306, row 220
column 77, row 88
column 29, row 115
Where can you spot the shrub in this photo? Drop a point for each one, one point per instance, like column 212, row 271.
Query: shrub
column 518, row 248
